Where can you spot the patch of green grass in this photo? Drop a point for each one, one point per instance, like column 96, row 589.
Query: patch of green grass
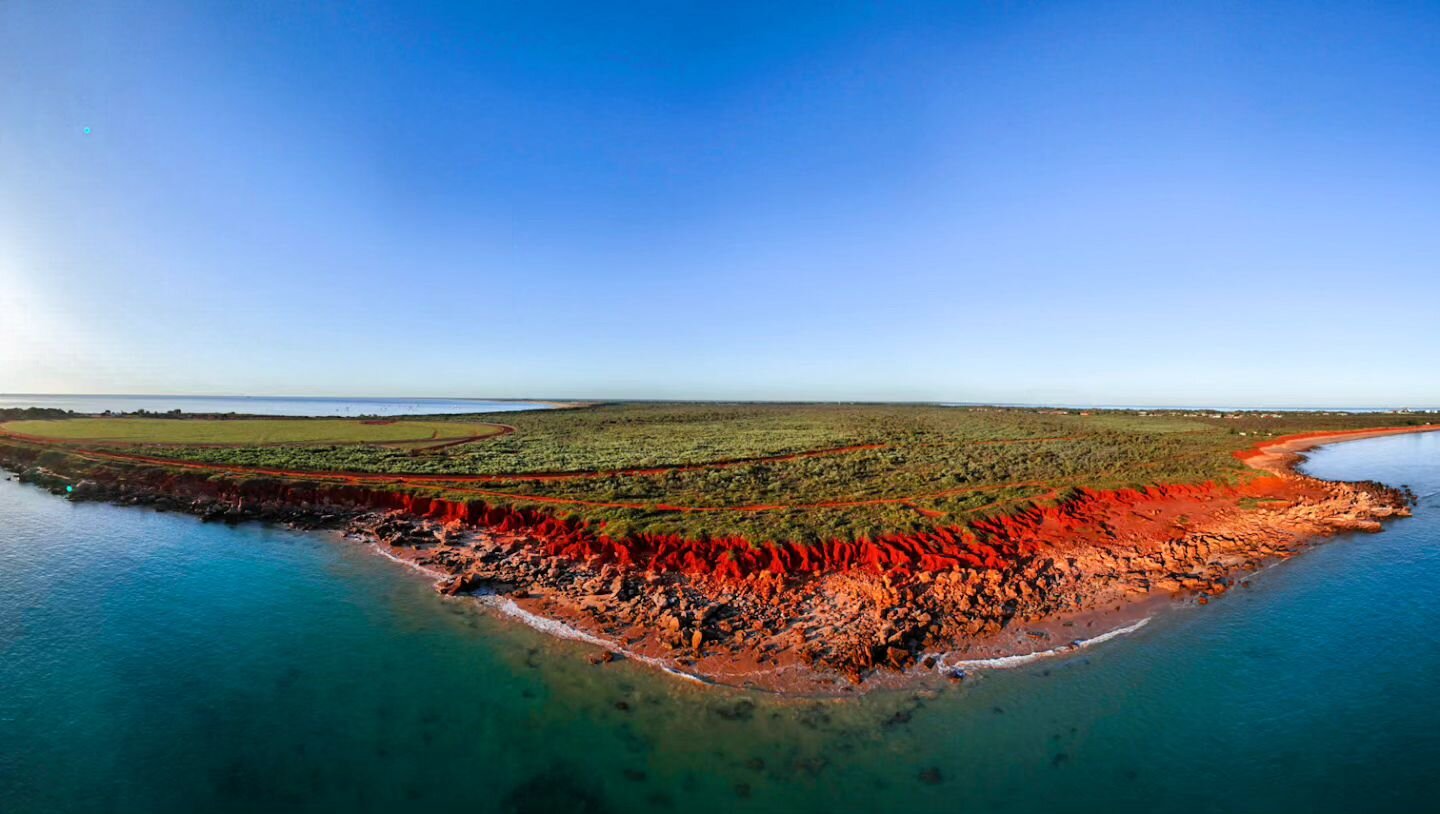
column 931, row 466
column 247, row 431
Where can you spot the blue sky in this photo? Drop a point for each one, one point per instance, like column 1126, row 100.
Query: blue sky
column 1154, row 203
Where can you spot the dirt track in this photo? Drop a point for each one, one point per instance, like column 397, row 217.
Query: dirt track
column 1270, row 455
column 453, row 483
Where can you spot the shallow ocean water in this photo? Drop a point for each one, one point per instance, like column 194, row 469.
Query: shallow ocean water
column 152, row 663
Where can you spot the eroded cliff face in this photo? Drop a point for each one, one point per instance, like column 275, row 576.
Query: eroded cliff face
column 785, row 616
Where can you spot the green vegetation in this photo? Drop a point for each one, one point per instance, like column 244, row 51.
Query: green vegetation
column 927, row 464
column 248, row 431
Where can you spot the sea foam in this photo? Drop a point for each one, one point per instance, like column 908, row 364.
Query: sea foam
column 1002, row 662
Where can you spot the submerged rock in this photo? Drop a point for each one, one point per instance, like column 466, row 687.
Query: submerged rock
column 553, row 791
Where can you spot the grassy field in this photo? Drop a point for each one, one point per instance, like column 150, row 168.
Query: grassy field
column 920, row 465
column 247, row 432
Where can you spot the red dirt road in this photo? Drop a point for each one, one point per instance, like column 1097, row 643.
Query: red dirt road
column 450, row 481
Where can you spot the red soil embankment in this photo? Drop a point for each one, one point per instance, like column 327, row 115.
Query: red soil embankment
column 1087, row 517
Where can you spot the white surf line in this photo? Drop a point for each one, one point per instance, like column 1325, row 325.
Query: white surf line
column 560, row 630
column 1002, row 662
column 378, row 548
column 553, row 627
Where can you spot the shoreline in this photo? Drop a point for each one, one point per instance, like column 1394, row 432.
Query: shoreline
column 1107, row 558
column 1283, row 455
column 551, row 627
column 559, row 629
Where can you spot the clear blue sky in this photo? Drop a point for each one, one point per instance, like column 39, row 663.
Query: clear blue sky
column 1153, row 203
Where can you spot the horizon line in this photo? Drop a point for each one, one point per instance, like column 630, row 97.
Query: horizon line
column 632, row 400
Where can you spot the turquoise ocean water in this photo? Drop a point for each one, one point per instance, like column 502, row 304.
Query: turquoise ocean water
column 152, row 663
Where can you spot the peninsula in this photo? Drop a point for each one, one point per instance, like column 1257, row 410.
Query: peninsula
column 788, row 547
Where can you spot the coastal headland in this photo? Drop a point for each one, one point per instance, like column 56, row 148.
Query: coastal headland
column 795, row 548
